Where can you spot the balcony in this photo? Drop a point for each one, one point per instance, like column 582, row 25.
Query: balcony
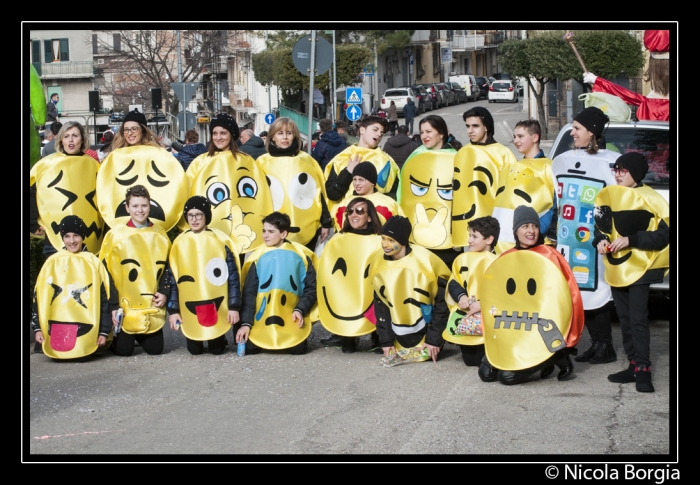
column 63, row 70
column 467, row 42
column 420, row 37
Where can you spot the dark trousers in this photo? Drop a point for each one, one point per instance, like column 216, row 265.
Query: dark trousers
column 151, row 343
column 472, row 354
column 599, row 324
column 631, row 303
column 216, row 346
column 299, row 349
column 409, row 125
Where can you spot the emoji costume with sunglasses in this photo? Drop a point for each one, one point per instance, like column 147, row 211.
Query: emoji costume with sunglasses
column 385, row 206
column 62, row 185
column 153, row 167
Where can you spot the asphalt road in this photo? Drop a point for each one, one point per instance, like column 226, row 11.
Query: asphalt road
column 327, row 405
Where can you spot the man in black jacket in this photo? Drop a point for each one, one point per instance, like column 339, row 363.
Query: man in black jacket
column 400, row 146
column 329, row 144
column 251, row 144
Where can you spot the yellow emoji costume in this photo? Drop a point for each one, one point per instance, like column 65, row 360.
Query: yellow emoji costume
column 476, row 180
column 530, row 308
column 622, row 212
column 297, row 188
column 198, row 262
column 387, row 170
column 152, row 167
column 239, row 194
column 63, row 185
column 525, row 182
column 71, row 296
column 425, row 195
column 344, row 287
column 467, row 271
column 136, row 258
column 279, row 280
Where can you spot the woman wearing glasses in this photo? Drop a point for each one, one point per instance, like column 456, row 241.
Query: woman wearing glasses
column 579, row 175
column 134, row 131
column 344, row 288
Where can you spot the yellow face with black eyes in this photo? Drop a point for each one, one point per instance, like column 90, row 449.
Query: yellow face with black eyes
column 476, row 174
column 66, row 186
column 297, row 187
column 239, row 194
column 526, row 308
column 344, row 284
column 152, row 167
column 425, row 195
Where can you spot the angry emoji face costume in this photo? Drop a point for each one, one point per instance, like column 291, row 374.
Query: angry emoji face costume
column 531, row 308
column 136, row 259
column 69, row 303
column 198, row 264
column 476, row 180
column 344, row 289
column 152, row 167
column 281, row 273
column 387, row 170
column 239, row 194
column 297, row 188
column 425, row 195
column 66, row 185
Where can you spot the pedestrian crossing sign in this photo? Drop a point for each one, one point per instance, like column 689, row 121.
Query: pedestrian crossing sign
column 353, row 95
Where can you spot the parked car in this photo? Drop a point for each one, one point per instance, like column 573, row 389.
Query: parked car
column 503, row 90
column 648, row 137
column 501, row 76
column 460, row 93
column 468, row 83
column 422, row 99
column 483, row 84
column 399, row 96
column 435, row 95
column 447, row 94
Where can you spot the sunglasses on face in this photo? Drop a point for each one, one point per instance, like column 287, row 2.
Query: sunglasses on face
column 620, row 171
column 360, row 211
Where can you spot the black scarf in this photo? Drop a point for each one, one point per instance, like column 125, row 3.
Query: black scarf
column 292, row 151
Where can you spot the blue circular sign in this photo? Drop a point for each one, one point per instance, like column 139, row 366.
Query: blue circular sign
column 269, row 118
column 353, row 112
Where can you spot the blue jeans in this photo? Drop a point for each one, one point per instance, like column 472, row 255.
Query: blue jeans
column 409, row 124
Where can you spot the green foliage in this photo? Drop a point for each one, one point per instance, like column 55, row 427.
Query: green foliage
column 382, row 39
column 263, row 67
column 608, row 53
column 36, row 260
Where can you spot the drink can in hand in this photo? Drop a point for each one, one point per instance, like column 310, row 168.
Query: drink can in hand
column 241, row 349
column 120, row 318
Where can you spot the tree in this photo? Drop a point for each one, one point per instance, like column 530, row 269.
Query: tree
column 547, row 56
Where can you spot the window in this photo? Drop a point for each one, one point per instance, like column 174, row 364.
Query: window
column 36, row 51
column 56, row 50
column 94, row 44
column 117, row 42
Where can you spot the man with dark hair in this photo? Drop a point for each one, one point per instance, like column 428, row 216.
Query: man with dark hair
column 251, row 144
column 329, row 144
column 51, row 109
column 400, row 146
column 190, row 150
column 480, row 128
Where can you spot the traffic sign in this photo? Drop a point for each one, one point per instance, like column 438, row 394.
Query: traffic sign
column 301, row 55
column 269, row 118
column 353, row 95
column 353, row 112
column 190, row 89
column 369, row 69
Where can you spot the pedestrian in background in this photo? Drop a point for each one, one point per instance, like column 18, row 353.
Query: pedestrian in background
column 409, row 113
column 190, row 150
column 329, row 144
column 400, row 146
column 50, row 145
column 393, row 118
column 251, row 144
column 52, row 110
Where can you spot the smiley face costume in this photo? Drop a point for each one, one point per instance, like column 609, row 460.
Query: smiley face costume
column 205, row 283
column 152, row 167
column 409, row 299
column 425, row 195
column 239, row 194
column 278, row 281
column 525, row 182
column 476, row 180
column 531, row 312
column 136, row 258
column 297, row 188
column 72, row 304
column 344, row 291
column 62, row 185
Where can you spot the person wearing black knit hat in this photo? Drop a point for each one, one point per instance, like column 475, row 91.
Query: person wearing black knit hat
column 134, row 131
column 481, row 130
column 208, row 303
column 634, row 218
column 73, row 224
column 579, row 172
column 409, row 294
column 224, row 132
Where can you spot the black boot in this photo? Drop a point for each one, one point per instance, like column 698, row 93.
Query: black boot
column 348, row 345
column 642, row 376
column 513, row 377
column 586, row 356
column 604, row 354
column 546, row 372
column 487, row 372
column 566, row 367
column 624, row 376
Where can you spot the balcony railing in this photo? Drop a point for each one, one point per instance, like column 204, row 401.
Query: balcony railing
column 67, row 69
column 468, row 42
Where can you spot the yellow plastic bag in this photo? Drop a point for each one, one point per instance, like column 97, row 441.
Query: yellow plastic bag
column 611, row 105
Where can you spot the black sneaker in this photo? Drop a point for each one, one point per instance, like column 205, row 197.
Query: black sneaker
column 333, row 341
column 604, row 354
column 642, row 377
column 624, row 376
column 586, row 356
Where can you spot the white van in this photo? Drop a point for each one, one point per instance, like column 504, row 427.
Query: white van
column 468, row 82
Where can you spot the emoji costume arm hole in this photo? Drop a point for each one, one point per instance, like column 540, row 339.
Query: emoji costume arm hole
column 440, row 315
column 384, row 330
column 394, row 189
column 326, row 219
column 173, row 304
column 106, row 306
column 651, row 240
column 234, row 282
column 250, row 293
column 164, row 282
column 337, row 185
column 35, row 315
column 113, row 301
column 456, row 291
column 33, row 209
column 307, row 300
